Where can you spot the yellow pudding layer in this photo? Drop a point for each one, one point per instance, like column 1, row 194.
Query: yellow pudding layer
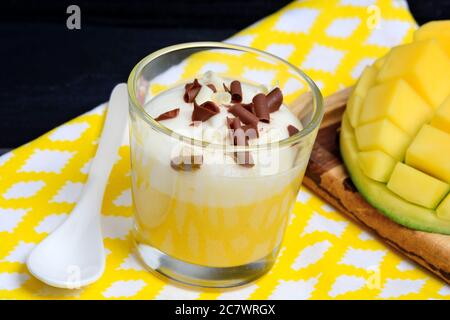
column 212, row 236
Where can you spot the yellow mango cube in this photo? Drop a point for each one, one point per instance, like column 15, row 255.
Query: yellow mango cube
column 366, row 80
column 438, row 30
column 364, row 83
column 382, row 135
column 379, row 63
column 424, row 65
column 441, row 119
column 376, row 165
column 417, row 187
column 354, row 104
column 430, row 152
column 443, row 211
column 398, row 102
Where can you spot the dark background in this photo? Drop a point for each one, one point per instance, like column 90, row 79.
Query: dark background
column 50, row 74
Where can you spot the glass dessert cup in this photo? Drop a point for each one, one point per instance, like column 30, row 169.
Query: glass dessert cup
column 220, row 224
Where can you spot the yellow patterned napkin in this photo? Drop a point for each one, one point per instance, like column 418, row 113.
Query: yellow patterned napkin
column 324, row 255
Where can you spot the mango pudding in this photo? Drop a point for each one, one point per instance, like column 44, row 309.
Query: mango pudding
column 217, row 159
column 205, row 206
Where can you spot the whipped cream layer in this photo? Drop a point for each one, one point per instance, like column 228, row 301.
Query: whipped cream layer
column 219, row 181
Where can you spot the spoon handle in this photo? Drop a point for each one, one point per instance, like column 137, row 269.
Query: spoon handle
column 110, row 140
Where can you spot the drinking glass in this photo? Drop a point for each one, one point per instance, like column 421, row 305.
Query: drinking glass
column 218, row 224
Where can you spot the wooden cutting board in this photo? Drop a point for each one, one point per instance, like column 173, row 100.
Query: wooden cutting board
column 327, row 177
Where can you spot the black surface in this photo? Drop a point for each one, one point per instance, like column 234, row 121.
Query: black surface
column 50, row 74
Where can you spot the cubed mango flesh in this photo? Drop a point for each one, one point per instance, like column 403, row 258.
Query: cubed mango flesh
column 354, row 105
column 443, row 211
column 441, row 118
column 424, row 65
column 366, row 80
column 397, row 101
column 430, row 153
column 379, row 63
column 376, row 164
column 438, row 30
column 417, row 187
column 364, row 83
column 382, row 135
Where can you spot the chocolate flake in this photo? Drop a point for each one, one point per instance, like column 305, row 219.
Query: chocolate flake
column 292, row 130
column 168, row 115
column 204, row 111
column 261, row 107
column 274, row 99
column 236, row 91
column 240, row 137
column 248, row 106
column 212, row 87
column 226, row 88
column 243, row 114
column 186, row 163
column 191, row 91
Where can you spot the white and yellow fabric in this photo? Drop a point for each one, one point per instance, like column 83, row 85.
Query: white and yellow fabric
column 324, row 255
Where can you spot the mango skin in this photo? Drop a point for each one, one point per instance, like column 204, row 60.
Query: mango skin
column 443, row 211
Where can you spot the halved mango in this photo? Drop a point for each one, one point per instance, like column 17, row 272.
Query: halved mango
column 424, row 65
column 398, row 102
column 417, row 187
column 441, row 119
column 395, row 137
column 430, row 152
column 376, row 164
column 439, row 30
column 382, row 135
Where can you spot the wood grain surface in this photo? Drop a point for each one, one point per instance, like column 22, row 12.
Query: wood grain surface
column 327, row 177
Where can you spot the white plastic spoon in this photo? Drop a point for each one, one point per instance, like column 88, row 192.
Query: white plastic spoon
column 73, row 255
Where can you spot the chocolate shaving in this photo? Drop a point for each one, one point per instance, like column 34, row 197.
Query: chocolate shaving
column 168, row 115
column 191, row 91
column 226, row 88
column 240, row 137
column 248, row 106
column 274, row 99
column 236, row 91
column 204, row 111
column 261, row 107
column 212, row 87
column 186, row 163
column 292, row 130
column 243, row 114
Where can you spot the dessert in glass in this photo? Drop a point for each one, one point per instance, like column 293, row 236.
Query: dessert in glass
column 217, row 159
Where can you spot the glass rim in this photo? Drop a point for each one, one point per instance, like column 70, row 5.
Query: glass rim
column 136, row 72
